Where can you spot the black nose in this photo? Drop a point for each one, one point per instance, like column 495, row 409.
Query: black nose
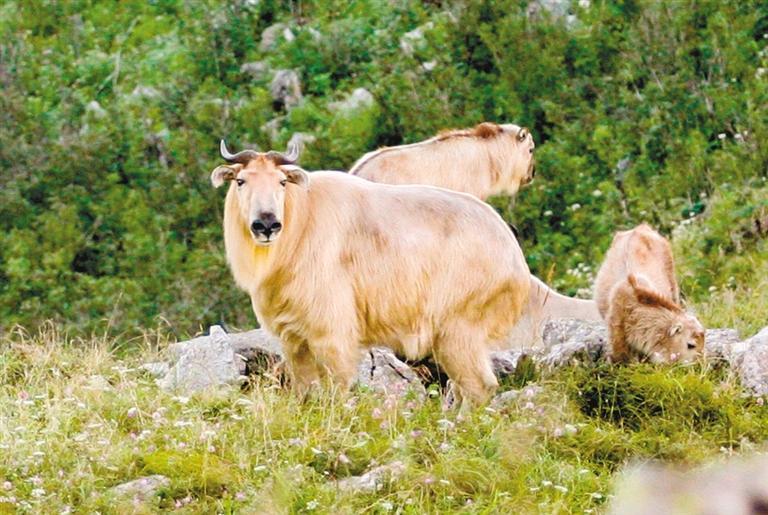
column 691, row 345
column 266, row 225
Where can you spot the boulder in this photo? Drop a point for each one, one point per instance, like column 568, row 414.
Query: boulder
column 373, row 480
column 141, row 489
column 286, row 88
column 414, row 41
column 301, row 140
column 360, row 98
column 272, row 34
column 204, row 362
column 257, row 70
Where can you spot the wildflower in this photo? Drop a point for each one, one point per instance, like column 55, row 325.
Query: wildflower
column 7, row 485
column 240, row 496
column 445, row 424
column 445, row 482
column 429, row 480
column 343, row 459
column 38, row 492
column 132, row 412
column 376, row 413
column 416, row 433
column 575, row 206
column 444, row 447
column 560, row 488
column 386, row 505
column 721, row 136
column 313, row 504
column 597, row 193
column 211, row 448
column 548, row 212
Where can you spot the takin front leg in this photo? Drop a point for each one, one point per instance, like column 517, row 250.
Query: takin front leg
column 337, row 359
column 462, row 352
column 620, row 350
column 302, row 368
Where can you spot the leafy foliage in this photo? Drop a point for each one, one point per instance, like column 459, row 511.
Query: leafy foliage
column 111, row 113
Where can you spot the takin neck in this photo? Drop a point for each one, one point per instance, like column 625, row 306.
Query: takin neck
column 547, row 304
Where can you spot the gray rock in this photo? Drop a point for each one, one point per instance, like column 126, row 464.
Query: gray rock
column 750, row 359
column 286, row 88
column 414, row 40
column 360, row 98
column 257, row 70
column 737, row 487
column 141, row 489
column 95, row 109
column 272, row 128
column 381, row 371
column 271, row 35
column 145, row 92
column 156, row 369
column 556, row 8
column 373, row 480
column 204, row 362
column 301, row 139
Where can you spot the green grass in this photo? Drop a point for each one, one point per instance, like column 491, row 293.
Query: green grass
column 75, row 420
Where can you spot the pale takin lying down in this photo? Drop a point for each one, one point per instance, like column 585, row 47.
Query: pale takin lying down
column 546, row 304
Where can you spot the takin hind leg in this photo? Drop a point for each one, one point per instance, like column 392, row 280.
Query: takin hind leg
column 462, row 352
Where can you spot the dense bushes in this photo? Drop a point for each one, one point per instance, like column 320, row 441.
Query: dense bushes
column 111, row 113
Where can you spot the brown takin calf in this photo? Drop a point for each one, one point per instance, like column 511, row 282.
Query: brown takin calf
column 334, row 263
column 638, row 297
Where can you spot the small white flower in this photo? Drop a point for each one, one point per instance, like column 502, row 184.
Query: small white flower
column 575, row 207
column 311, row 505
column 560, row 488
column 597, row 193
column 548, row 212
column 132, row 412
column 38, row 492
column 445, row 424
column 721, row 135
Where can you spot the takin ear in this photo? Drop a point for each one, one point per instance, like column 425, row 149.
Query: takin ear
column 296, row 175
column 522, row 134
column 675, row 329
column 224, row 173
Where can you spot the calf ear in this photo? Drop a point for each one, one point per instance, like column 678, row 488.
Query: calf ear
column 224, row 173
column 296, row 175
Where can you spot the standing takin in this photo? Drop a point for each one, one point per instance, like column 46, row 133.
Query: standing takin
column 638, row 296
column 334, row 263
column 486, row 160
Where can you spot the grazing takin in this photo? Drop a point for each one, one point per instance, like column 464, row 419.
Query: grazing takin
column 486, row 160
column 638, row 296
column 334, row 263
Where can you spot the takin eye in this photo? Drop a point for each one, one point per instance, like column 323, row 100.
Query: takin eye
column 239, row 182
column 283, row 182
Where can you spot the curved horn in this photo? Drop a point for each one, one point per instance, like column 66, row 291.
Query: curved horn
column 241, row 157
column 293, row 150
column 289, row 158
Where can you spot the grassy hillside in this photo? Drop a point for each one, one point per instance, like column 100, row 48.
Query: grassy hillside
column 111, row 113
column 75, row 421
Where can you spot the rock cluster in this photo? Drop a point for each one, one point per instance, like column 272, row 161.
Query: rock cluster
column 220, row 358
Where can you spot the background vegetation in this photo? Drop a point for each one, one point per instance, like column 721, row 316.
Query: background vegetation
column 111, row 112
